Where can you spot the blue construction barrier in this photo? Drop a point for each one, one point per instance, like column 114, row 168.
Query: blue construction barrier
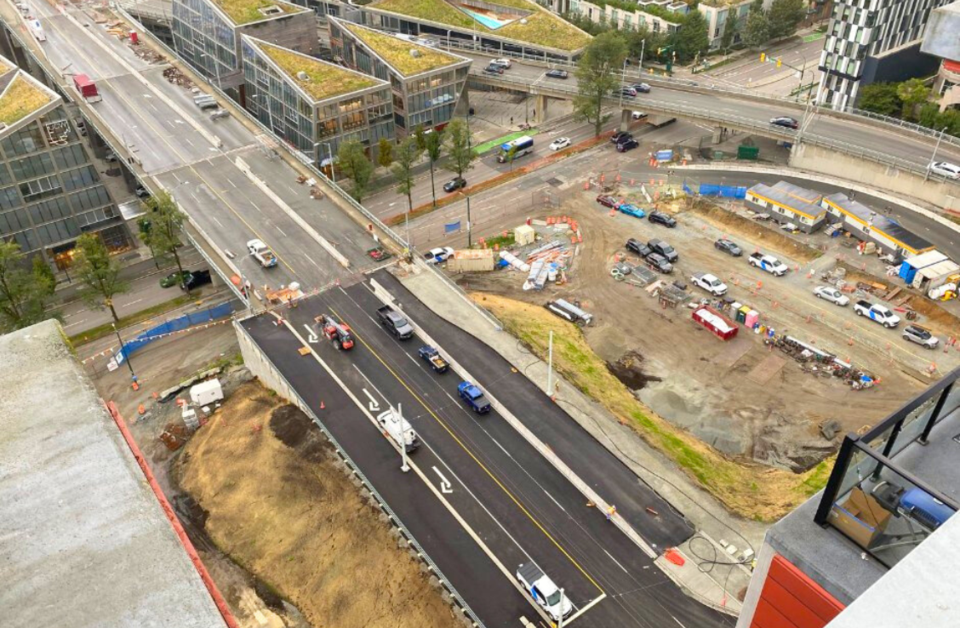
column 713, row 189
column 182, row 322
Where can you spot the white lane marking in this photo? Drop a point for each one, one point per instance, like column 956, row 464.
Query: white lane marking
column 280, row 230
column 557, row 503
column 312, row 260
column 256, row 208
column 131, row 303
column 450, row 396
column 72, row 324
column 444, row 482
column 231, row 182
column 617, row 562
column 374, row 405
column 678, row 621
column 311, row 336
column 217, row 221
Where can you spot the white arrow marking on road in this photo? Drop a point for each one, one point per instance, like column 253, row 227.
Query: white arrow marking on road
column 444, row 483
column 374, row 405
column 311, row 336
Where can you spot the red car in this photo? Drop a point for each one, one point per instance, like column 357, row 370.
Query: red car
column 608, row 201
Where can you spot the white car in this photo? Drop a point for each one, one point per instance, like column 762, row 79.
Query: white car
column 438, row 255
column 832, row 295
column 560, row 143
column 262, row 253
column 638, row 115
column 945, row 169
column 504, row 63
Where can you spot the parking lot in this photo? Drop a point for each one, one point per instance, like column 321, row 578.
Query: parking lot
column 742, row 396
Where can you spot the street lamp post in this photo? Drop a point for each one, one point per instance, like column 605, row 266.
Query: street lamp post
column 216, row 68
column 933, row 157
column 126, row 358
column 265, row 104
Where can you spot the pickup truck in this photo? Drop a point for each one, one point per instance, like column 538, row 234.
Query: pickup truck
column 399, row 429
column 709, row 283
column 262, row 253
column 432, row 356
column 543, row 591
column 878, row 313
column 474, row 397
column 394, row 322
column 768, row 263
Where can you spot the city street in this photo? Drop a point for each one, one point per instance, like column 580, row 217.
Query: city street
column 765, row 77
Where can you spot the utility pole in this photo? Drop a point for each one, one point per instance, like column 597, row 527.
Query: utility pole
column 550, row 366
column 403, row 440
column 560, row 622
column 126, row 358
column 933, row 158
column 643, row 46
column 469, row 232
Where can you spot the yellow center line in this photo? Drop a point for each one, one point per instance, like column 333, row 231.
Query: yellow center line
column 474, row 457
column 160, row 134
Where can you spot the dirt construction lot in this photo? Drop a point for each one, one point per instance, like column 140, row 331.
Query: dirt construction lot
column 742, row 397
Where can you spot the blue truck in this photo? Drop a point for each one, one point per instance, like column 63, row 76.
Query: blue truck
column 474, row 397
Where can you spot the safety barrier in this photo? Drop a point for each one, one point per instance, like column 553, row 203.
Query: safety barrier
column 172, row 326
column 713, row 189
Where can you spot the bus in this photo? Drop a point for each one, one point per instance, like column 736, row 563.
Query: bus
column 521, row 146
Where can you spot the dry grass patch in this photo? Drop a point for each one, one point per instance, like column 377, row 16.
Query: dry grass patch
column 20, row 99
column 397, row 52
column 325, row 79
column 278, row 506
column 747, row 489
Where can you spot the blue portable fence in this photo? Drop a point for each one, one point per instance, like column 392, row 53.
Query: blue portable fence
column 177, row 324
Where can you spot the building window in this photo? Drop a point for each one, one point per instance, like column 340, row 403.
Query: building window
column 26, row 140
column 31, row 167
column 40, row 188
column 9, row 198
column 71, row 156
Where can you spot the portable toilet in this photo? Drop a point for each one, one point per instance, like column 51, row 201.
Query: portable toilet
column 524, row 234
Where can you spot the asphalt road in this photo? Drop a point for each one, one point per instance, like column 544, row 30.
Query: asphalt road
column 222, row 201
column 858, row 137
column 766, row 77
column 517, row 504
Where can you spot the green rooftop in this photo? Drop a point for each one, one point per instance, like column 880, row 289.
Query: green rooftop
column 542, row 28
column 396, row 51
column 325, row 80
column 249, row 11
column 20, row 99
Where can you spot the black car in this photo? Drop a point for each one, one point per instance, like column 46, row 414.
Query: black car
column 659, row 262
column 728, row 246
column 560, row 74
column 620, row 136
column 141, row 192
column 493, row 68
column 661, row 247
column 627, row 144
column 195, row 279
column 454, row 184
column 638, row 247
column 663, row 219
column 642, row 88
column 785, row 121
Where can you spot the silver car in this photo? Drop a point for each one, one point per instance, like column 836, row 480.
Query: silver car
column 920, row 336
column 832, row 295
column 945, row 169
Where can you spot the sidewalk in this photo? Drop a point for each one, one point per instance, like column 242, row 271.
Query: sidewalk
column 717, row 526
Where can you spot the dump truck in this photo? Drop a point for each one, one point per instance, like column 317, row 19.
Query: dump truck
column 543, row 591
column 394, row 322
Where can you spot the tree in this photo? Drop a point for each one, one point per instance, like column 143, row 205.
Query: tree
column 756, row 31
column 354, row 163
column 421, row 137
column 23, row 295
column 598, row 75
column 43, row 276
column 912, row 93
column 166, row 225
column 143, row 226
column 880, row 98
column 407, row 155
column 511, row 155
column 459, row 147
column 692, row 38
column 99, row 273
column 784, row 16
column 385, row 152
column 730, row 30
column 434, row 147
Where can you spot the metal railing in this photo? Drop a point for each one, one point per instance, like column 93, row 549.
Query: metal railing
column 355, row 469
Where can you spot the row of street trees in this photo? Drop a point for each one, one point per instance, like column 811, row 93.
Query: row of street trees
column 27, row 289
column 763, row 26
column 909, row 100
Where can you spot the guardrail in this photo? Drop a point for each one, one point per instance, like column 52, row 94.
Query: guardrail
column 287, row 390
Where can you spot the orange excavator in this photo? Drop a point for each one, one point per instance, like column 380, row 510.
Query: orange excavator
column 337, row 332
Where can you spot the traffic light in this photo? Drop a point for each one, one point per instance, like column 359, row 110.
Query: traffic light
column 763, row 57
column 779, row 62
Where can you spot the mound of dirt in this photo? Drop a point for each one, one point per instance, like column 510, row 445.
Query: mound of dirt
column 770, row 238
column 276, row 504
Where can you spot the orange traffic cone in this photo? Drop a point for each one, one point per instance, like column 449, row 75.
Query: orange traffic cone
column 322, row 405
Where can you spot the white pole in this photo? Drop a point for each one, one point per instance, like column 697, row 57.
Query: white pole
column 560, row 622
column 933, row 158
column 643, row 45
column 403, row 440
column 550, row 367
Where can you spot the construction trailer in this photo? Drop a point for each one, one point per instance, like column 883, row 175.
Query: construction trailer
column 718, row 324
column 870, row 226
column 471, row 261
column 910, row 266
column 788, row 203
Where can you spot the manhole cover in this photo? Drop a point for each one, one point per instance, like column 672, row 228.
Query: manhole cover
column 555, row 182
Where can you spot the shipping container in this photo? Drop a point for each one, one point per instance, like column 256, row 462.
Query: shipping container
column 471, row 261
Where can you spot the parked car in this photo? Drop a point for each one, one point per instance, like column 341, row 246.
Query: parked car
column 608, row 201
column 141, row 192
column 945, row 169
column 728, row 246
column 504, row 63
column 659, row 262
column 832, row 295
column 920, row 336
column 631, row 210
column 437, row 255
column 195, row 279
column 627, row 92
column 559, row 74
column 878, row 313
column 627, row 144
column 619, row 136
column 642, row 88
column 560, row 143
column 474, row 397
column 493, row 68
column 638, row 115
column 660, row 218
column 454, row 184
column 173, row 279
column 768, row 263
column 638, row 247
column 709, row 283
column 661, row 247
column 110, row 157
column 785, row 121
